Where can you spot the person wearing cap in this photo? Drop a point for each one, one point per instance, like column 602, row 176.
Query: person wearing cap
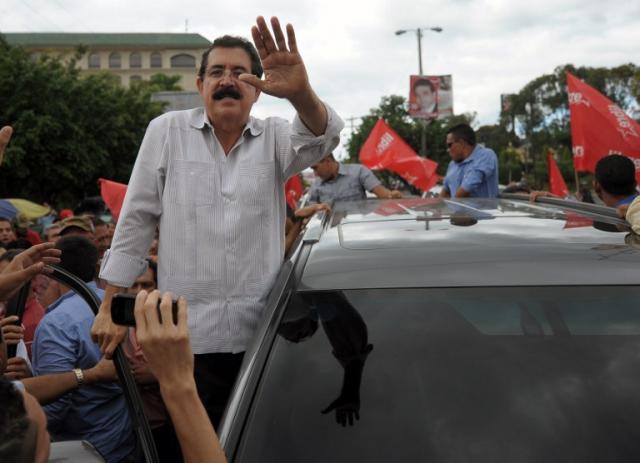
column 77, row 225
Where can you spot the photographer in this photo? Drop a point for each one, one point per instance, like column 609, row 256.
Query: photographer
column 168, row 352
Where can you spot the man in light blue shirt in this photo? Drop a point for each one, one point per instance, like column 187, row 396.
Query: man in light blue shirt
column 97, row 412
column 473, row 171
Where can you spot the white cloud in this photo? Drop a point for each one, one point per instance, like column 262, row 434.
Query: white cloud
column 354, row 58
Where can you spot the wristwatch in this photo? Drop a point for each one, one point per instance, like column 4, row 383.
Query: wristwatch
column 79, row 376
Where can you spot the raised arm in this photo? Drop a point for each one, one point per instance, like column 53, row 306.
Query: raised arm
column 285, row 75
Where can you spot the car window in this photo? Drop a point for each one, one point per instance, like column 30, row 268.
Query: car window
column 452, row 375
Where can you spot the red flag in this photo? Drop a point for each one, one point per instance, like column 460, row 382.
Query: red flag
column 293, row 191
column 113, row 195
column 575, row 220
column 557, row 185
column 385, row 149
column 419, row 172
column 599, row 127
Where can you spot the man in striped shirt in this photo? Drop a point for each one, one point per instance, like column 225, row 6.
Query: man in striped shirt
column 212, row 179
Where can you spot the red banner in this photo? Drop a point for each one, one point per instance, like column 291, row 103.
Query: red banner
column 384, row 149
column 557, row 185
column 293, row 191
column 599, row 127
column 113, row 195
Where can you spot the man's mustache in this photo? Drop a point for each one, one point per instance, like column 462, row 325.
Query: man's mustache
column 227, row 92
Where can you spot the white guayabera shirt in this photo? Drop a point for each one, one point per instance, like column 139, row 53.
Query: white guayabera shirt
column 221, row 218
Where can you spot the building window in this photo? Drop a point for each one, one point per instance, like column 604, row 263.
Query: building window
column 94, row 61
column 135, row 60
column 183, row 61
column 156, row 60
column 134, row 79
column 114, row 60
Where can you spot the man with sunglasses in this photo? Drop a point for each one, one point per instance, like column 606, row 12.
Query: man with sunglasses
column 473, row 171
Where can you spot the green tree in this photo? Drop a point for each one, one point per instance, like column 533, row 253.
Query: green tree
column 68, row 130
column 541, row 112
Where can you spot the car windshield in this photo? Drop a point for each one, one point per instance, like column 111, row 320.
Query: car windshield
column 522, row 374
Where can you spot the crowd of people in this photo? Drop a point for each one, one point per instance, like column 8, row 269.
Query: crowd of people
column 204, row 218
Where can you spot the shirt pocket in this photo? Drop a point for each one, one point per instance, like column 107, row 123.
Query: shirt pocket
column 191, row 183
column 258, row 182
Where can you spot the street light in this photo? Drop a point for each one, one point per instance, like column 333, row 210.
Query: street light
column 418, row 31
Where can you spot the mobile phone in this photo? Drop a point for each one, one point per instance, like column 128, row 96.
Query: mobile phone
column 122, row 306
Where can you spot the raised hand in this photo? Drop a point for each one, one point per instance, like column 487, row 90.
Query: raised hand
column 5, row 136
column 285, row 75
column 25, row 266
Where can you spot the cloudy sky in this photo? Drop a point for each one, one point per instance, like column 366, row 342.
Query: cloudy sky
column 352, row 54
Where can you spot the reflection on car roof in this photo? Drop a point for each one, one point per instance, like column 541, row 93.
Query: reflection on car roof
column 434, row 242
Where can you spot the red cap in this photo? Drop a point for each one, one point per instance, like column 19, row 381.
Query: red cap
column 64, row 213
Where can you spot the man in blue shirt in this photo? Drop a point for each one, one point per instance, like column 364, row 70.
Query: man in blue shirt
column 98, row 412
column 473, row 171
column 345, row 182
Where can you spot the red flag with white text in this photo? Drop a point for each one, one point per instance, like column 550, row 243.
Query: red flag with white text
column 557, row 185
column 113, row 195
column 385, row 149
column 599, row 127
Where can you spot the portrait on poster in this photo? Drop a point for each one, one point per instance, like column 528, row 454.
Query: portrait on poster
column 431, row 97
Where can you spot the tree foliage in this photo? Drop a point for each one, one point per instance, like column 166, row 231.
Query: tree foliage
column 68, row 130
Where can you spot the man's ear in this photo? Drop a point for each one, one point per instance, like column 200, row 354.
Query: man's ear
column 257, row 95
column 200, row 85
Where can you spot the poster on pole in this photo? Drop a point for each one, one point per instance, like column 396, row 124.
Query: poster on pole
column 430, row 97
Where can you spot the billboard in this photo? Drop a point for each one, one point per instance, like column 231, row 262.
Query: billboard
column 430, row 97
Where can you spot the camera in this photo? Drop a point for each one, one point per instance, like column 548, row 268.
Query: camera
column 122, row 306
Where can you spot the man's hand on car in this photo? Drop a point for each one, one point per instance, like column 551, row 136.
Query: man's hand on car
column 11, row 332
column 17, row 369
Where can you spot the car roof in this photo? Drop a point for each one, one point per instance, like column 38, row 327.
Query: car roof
column 435, row 242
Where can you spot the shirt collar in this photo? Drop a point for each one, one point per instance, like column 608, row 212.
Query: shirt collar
column 628, row 200
column 341, row 171
column 67, row 295
column 469, row 159
column 200, row 120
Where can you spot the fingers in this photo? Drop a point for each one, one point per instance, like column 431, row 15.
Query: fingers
column 182, row 315
column 277, row 31
column 267, row 39
column 9, row 320
column 259, row 43
column 291, row 35
column 5, row 136
column 150, row 310
column 165, row 309
column 138, row 313
column 252, row 80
